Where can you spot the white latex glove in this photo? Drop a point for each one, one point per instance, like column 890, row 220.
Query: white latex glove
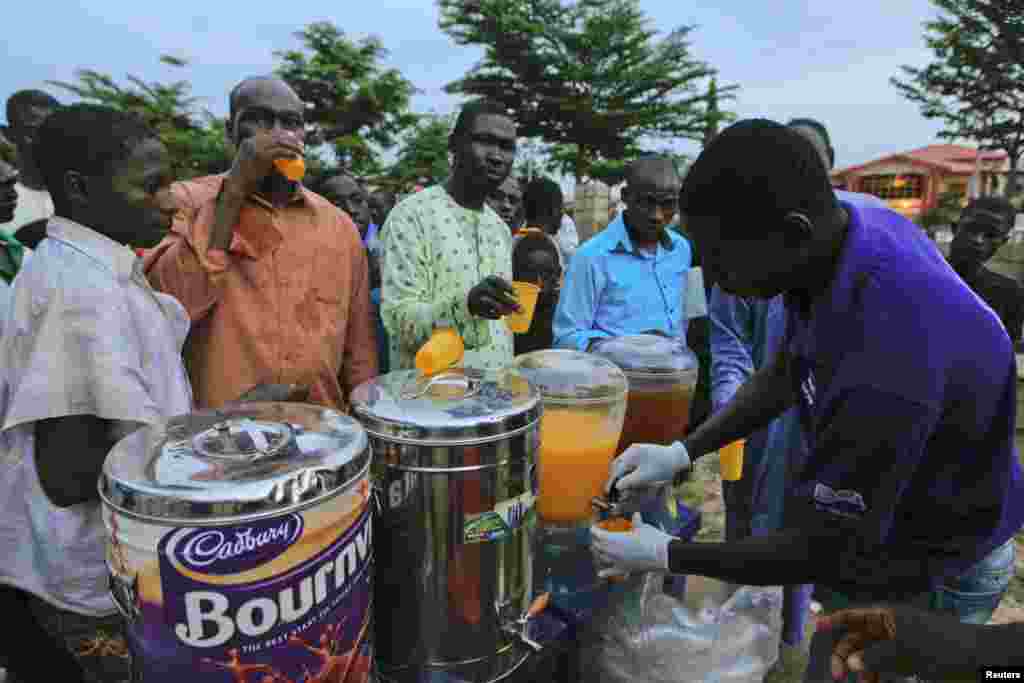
column 644, row 549
column 645, row 466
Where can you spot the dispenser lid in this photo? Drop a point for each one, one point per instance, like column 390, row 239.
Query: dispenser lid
column 650, row 356
column 242, row 461
column 564, row 376
column 457, row 407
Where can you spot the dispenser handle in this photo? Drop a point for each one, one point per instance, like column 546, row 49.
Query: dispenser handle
column 471, row 386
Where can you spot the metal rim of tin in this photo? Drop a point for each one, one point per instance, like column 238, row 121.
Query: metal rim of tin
column 234, row 518
column 261, row 440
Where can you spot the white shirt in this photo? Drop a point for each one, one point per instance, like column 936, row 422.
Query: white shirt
column 568, row 238
column 32, row 206
column 84, row 335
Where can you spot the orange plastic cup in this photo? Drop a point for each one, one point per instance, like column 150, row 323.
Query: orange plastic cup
column 730, row 461
column 526, row 294
column 293, row 169
column 616, row 525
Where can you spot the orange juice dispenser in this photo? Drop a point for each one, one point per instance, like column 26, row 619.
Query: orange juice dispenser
column 584, row 406
column 584, row 399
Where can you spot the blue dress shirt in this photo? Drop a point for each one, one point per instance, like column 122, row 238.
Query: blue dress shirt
column 612, row 289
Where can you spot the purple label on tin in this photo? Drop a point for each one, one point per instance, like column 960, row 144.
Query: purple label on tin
column 308, row 621
column 224, row 551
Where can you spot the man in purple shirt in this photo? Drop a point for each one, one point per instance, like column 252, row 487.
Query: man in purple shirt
column 905, row 382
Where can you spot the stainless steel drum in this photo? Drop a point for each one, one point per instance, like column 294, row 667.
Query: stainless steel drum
column 453, row 470
column 240, row 540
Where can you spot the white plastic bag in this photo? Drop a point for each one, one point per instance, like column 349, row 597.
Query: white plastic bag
column 719, row 634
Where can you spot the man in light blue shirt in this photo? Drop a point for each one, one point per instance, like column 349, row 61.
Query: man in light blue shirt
column 631, row 277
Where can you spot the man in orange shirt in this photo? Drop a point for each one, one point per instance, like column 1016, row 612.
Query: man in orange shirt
column 274, row 277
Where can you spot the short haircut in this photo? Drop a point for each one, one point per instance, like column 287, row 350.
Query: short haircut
column 24, row 99
column 816, row 125
column 997, row 205
column 88, row 138
column 473, row 110
column 386, row 195
column 525, row 246
column 542, row 198
column 646, row 159
column 756, row 170
column 233, row 95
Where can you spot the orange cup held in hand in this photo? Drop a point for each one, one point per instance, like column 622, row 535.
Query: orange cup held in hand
column 293, row 169
column 730, row 461
column 526, row 295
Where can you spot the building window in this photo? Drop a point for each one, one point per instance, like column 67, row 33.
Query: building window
column 908, row 186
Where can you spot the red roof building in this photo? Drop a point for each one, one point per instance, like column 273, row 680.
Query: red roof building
column 912, row 182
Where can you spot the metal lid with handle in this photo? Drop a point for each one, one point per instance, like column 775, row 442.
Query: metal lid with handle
column 248, row 460
column 458, row 407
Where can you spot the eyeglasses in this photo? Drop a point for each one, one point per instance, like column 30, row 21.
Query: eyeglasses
column 266, row 118
column 650, row 201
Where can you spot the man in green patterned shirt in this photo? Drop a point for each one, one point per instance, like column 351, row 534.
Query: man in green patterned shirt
column 447, row 256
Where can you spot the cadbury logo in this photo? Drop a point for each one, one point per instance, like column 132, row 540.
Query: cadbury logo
column 236, row 549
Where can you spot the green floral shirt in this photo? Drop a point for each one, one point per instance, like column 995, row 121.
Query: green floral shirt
column 433, row 252
column 12, row 253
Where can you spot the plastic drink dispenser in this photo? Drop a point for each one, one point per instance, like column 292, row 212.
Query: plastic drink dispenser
column 662, row 374
column 584, row 400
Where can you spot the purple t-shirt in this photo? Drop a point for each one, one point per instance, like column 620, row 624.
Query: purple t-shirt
column 907, row 384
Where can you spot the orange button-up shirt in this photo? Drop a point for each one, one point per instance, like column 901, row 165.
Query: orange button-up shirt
column 287, row 303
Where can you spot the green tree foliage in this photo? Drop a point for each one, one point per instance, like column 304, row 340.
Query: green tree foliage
column 195, row 140
column 588, row 77
column 353, row 103
column 423, row 152
column 975, row 86
column 945, row 212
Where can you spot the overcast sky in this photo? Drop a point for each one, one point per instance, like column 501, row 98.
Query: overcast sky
column 827, row 60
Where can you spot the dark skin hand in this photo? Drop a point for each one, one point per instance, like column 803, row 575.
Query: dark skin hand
column 268, row 125
column 900, row 640
column 492, row 299
column 253, row 164
column 70, row 481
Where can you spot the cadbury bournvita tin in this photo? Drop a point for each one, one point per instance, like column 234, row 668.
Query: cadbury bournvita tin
column 239, row 546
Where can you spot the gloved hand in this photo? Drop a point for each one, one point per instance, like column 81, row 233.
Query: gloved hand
column 492, row 298
column 645, row 466
column 644, row 549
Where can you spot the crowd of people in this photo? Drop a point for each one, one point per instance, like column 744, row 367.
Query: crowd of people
column 874, row 381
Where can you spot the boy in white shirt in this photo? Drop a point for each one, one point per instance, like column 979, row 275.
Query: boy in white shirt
column 90, row 353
